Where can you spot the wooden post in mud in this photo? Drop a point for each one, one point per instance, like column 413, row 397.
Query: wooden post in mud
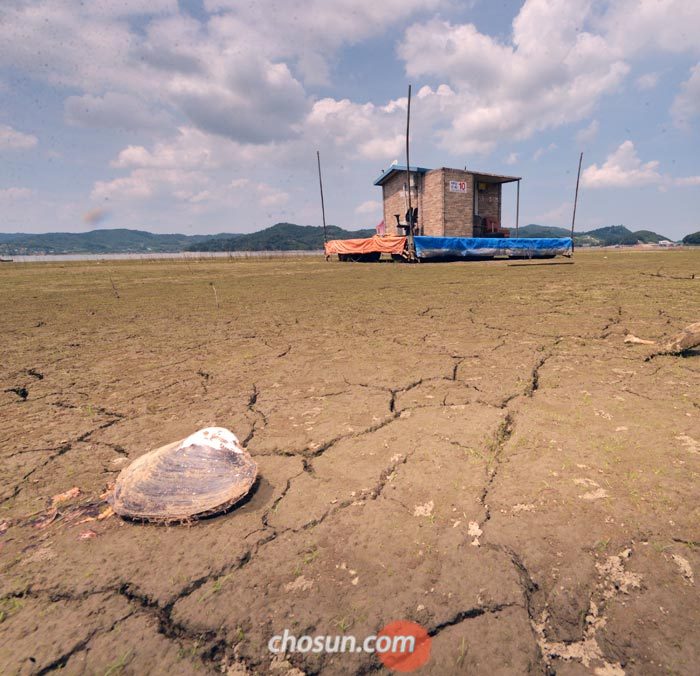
column 323, row 207
column 114, row 286
column 409, row 219
column 573, row 217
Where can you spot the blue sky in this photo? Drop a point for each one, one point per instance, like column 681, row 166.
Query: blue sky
column 203, row 116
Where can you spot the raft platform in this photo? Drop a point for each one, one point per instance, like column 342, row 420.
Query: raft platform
column 450, row 248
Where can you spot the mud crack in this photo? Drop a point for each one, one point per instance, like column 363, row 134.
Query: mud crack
column 503, row 433
column 78, row 647
column 613, row 581
column 62, row 449
column 21, row 392
column 469, row 614
column 258, row 415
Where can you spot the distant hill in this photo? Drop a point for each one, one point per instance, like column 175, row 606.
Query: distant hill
column 613, row 234
column 648, row 237
column 98, row 241
column 608, row 236
column 280, row 237
column 534, row 230
column 9, row 236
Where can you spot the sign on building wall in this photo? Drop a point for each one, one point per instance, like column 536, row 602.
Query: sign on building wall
column 458, row 186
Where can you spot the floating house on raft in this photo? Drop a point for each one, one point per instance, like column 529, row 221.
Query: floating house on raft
column 451, row 214
column 449, row 202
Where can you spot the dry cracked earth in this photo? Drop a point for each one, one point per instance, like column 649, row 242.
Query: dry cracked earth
column 470, row 446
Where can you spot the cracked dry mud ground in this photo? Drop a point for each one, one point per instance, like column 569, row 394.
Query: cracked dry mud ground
column 469, row 446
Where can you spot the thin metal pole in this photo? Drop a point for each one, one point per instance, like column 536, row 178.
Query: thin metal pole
column 411, row 243
column 323, row 208
column 573, row 217
column 517, row 210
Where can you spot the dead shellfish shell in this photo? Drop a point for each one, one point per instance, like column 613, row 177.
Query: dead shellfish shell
column 202, row 475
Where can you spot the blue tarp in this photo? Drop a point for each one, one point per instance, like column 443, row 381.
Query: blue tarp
column 478, row 247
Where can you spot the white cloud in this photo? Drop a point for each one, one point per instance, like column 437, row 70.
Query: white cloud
column 193, row 150
column 193, row 196
column 234, row 72
column 269, row 196
column 225, row 94
column 370, row 207
column 226, row 84
column 11, row 139
column 135, row 186
column 191, row 166
column 309, row 32
column 144, row 183
column 266, row 195
column 622, row 169
column 686, row 105
column 130, row 7
column 587, row 134
column 66, row 45
column 227, row 87
column 251, row 100
column 173, row 168
column 15, row 194
column 636, row 26
column 382, row 148
column 369, row 131
column 688, row 181
column 544, row 149
column 238, row 71
column 190, row 148
column 113, row 110
column 647, row 81
column 557, row 216
column 553, row 72
column 561, row 59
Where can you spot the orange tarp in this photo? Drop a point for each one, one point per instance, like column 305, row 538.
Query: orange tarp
column 366, row 245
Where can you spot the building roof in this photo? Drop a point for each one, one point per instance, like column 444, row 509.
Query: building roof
column 482, row 176
column 395, row 169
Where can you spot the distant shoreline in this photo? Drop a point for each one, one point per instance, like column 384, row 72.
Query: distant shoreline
column 57, row 258
column 195, row 255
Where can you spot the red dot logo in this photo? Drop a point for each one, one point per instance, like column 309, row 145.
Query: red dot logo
column 406, row 648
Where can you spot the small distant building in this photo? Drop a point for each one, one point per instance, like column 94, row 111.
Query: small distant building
column 450, row 202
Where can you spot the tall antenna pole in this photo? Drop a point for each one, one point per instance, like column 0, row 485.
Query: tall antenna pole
column 573, row 217
column 323, row 208
column 517, row 210
column 411, row 243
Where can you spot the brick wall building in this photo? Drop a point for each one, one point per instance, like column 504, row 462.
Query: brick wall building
column 449, row 201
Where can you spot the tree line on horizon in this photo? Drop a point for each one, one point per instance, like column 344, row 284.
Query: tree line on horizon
column 279, row 237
